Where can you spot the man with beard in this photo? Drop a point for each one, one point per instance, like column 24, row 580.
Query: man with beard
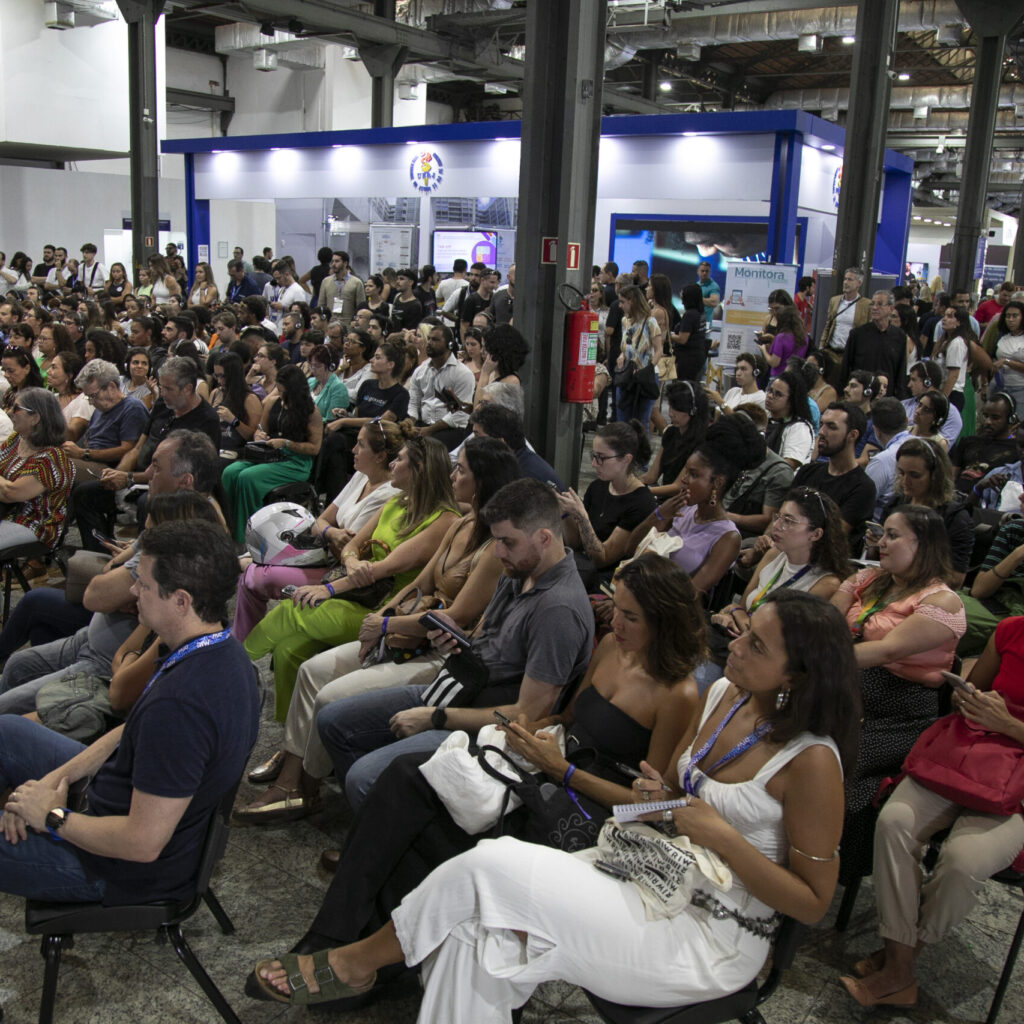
column 535, row 636
column 846, row 483
column 441, row 391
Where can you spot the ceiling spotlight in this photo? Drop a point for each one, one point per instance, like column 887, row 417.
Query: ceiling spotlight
column 828, row 147
column 665, row 86
column 296, row 27
column 903, row 76
column 848, row 40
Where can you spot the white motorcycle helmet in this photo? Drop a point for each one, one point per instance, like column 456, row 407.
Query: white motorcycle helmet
column 281, row 534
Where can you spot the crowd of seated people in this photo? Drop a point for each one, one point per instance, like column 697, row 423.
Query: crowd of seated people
column 782, row 513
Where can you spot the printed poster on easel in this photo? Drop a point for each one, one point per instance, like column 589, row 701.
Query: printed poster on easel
column 745, row 304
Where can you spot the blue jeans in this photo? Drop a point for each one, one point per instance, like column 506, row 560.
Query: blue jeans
column 626, row 409
column 39, row 867
column 41, row 616
column 355, row 733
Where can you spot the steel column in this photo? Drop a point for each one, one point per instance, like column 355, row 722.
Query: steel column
column 383, row 62
column 864, row 148
column 981, row 123
column 1016, row 272
column 141, row 16
column 557, row 198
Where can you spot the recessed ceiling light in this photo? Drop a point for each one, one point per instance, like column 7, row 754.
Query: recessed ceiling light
column 848, row 40
column 917, row 216
column 904, row 76
column 665, row 86
column 927, row 220
column 828, row 146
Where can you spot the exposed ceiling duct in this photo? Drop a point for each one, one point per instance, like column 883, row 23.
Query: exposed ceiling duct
column 946, row 97
column 282, row 49
column 718, row 30
column 946, row 120
column 65, row 14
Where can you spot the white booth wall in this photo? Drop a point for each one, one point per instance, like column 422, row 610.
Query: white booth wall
column 728, row 175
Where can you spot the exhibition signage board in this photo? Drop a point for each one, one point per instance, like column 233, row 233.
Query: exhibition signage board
column 745, row 304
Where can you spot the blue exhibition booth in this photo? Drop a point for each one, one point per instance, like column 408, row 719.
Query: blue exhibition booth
column 672, row 189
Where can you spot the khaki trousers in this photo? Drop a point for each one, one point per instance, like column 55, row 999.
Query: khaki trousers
column 978, row 846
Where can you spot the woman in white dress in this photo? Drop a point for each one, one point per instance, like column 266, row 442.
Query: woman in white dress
column 763, row 780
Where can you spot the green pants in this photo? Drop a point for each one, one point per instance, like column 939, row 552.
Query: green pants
column 246, row 484
column 295, row 634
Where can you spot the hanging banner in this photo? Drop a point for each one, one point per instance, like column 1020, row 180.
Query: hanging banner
column 745, row 304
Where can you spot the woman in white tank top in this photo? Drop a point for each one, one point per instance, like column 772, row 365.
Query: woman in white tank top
column 763, row 783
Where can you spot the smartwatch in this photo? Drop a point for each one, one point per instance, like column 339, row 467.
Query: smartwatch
column 439, row 719
column 55, row 821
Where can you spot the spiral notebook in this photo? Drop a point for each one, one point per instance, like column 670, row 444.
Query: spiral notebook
column 633, row 812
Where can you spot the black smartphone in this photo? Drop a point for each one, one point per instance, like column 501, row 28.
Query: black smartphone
column 106, row 538
column 502, row 717
column 614, row 870
column 430, row 621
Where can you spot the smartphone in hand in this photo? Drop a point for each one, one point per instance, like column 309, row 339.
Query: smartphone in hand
column 502, row 717
column 959, row 683
column 430, row 621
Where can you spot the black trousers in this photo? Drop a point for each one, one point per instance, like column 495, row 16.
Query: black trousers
column 399, row 835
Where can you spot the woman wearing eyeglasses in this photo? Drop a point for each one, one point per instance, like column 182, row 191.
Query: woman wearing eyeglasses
column 930, row 414
column 35, row 472
column 598, row 525
column 790, row 433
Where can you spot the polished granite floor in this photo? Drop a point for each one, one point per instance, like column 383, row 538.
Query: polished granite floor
column 270, row 883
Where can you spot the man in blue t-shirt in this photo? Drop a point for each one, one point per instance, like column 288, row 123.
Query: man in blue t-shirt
column 709, row 289
column 115, row 426
column 157, row 778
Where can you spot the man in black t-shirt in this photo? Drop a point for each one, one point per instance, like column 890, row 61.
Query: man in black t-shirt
column 157, row 778
column 406, row 309
column 478, row 301
column 842, row 423
column 994, row 445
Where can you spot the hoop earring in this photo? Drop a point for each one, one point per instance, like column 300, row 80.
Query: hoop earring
column 782, row 700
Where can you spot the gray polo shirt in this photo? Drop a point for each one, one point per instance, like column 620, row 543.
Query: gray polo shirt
column 546, row 633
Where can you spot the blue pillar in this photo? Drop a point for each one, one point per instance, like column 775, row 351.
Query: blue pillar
column 785, row 192
column 197, row 218
column 894, row 224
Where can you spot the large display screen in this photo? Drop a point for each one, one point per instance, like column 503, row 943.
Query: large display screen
column 471, row 246
column 674, row 246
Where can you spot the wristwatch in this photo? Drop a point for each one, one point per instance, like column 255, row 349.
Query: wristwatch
column 130, row 479
column 55, row 821
column 439, row 719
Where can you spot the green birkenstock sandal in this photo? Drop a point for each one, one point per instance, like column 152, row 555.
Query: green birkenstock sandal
column 332, row 987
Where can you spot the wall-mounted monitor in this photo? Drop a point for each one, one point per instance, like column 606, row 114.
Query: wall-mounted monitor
column 471, row 246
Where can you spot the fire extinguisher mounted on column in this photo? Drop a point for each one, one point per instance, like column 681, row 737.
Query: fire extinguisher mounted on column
column 582, row 330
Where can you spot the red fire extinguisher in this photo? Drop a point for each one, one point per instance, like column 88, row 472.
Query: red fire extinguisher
column 582, row 329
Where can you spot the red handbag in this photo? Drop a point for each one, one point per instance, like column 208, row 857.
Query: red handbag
column 973, row 767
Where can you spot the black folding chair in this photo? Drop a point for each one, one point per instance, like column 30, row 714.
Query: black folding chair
column 58, row 923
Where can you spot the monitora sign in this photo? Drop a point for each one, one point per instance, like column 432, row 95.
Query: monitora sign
column 426, row 171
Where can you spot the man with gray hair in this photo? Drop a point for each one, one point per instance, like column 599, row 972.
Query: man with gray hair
column 878, row 347
column 845, row 311
column 179, row 407
column 116, row 424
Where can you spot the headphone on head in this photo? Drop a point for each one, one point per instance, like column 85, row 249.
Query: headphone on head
column 1013, row 419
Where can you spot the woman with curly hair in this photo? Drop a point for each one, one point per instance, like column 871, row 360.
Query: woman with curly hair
column 505, row 352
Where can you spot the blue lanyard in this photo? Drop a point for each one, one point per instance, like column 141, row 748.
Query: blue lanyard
column 744, row 744
column 206, row 640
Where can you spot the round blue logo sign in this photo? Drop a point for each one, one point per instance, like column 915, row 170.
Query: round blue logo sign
column 426, row 171
column 837, row 184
